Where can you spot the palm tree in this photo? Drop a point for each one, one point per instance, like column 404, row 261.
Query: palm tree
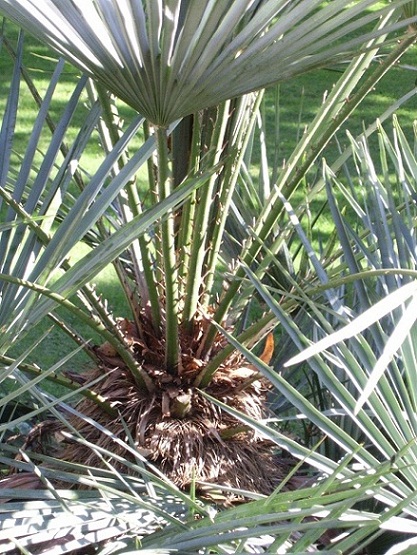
column 191, row 70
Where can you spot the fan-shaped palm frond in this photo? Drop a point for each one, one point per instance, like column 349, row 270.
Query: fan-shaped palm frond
column 170, row 59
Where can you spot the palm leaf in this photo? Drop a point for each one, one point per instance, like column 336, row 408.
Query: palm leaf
column 155, row 66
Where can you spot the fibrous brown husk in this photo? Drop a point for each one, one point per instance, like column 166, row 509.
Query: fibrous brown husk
column 175, row 427
column 183, row 448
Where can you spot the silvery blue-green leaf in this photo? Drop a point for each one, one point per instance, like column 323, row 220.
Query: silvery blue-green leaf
column 170, row 59
column 360, row 323
column 396, row 339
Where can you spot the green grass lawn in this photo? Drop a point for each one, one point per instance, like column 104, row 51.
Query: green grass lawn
column 301, row 98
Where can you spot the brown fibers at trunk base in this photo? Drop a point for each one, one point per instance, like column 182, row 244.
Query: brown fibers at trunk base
column 174, row 427
column 206, row 445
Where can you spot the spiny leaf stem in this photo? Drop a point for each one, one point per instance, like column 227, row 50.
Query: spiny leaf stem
column 64, row 382
column 270, row 218
column 168, row 255
column 141, row 378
